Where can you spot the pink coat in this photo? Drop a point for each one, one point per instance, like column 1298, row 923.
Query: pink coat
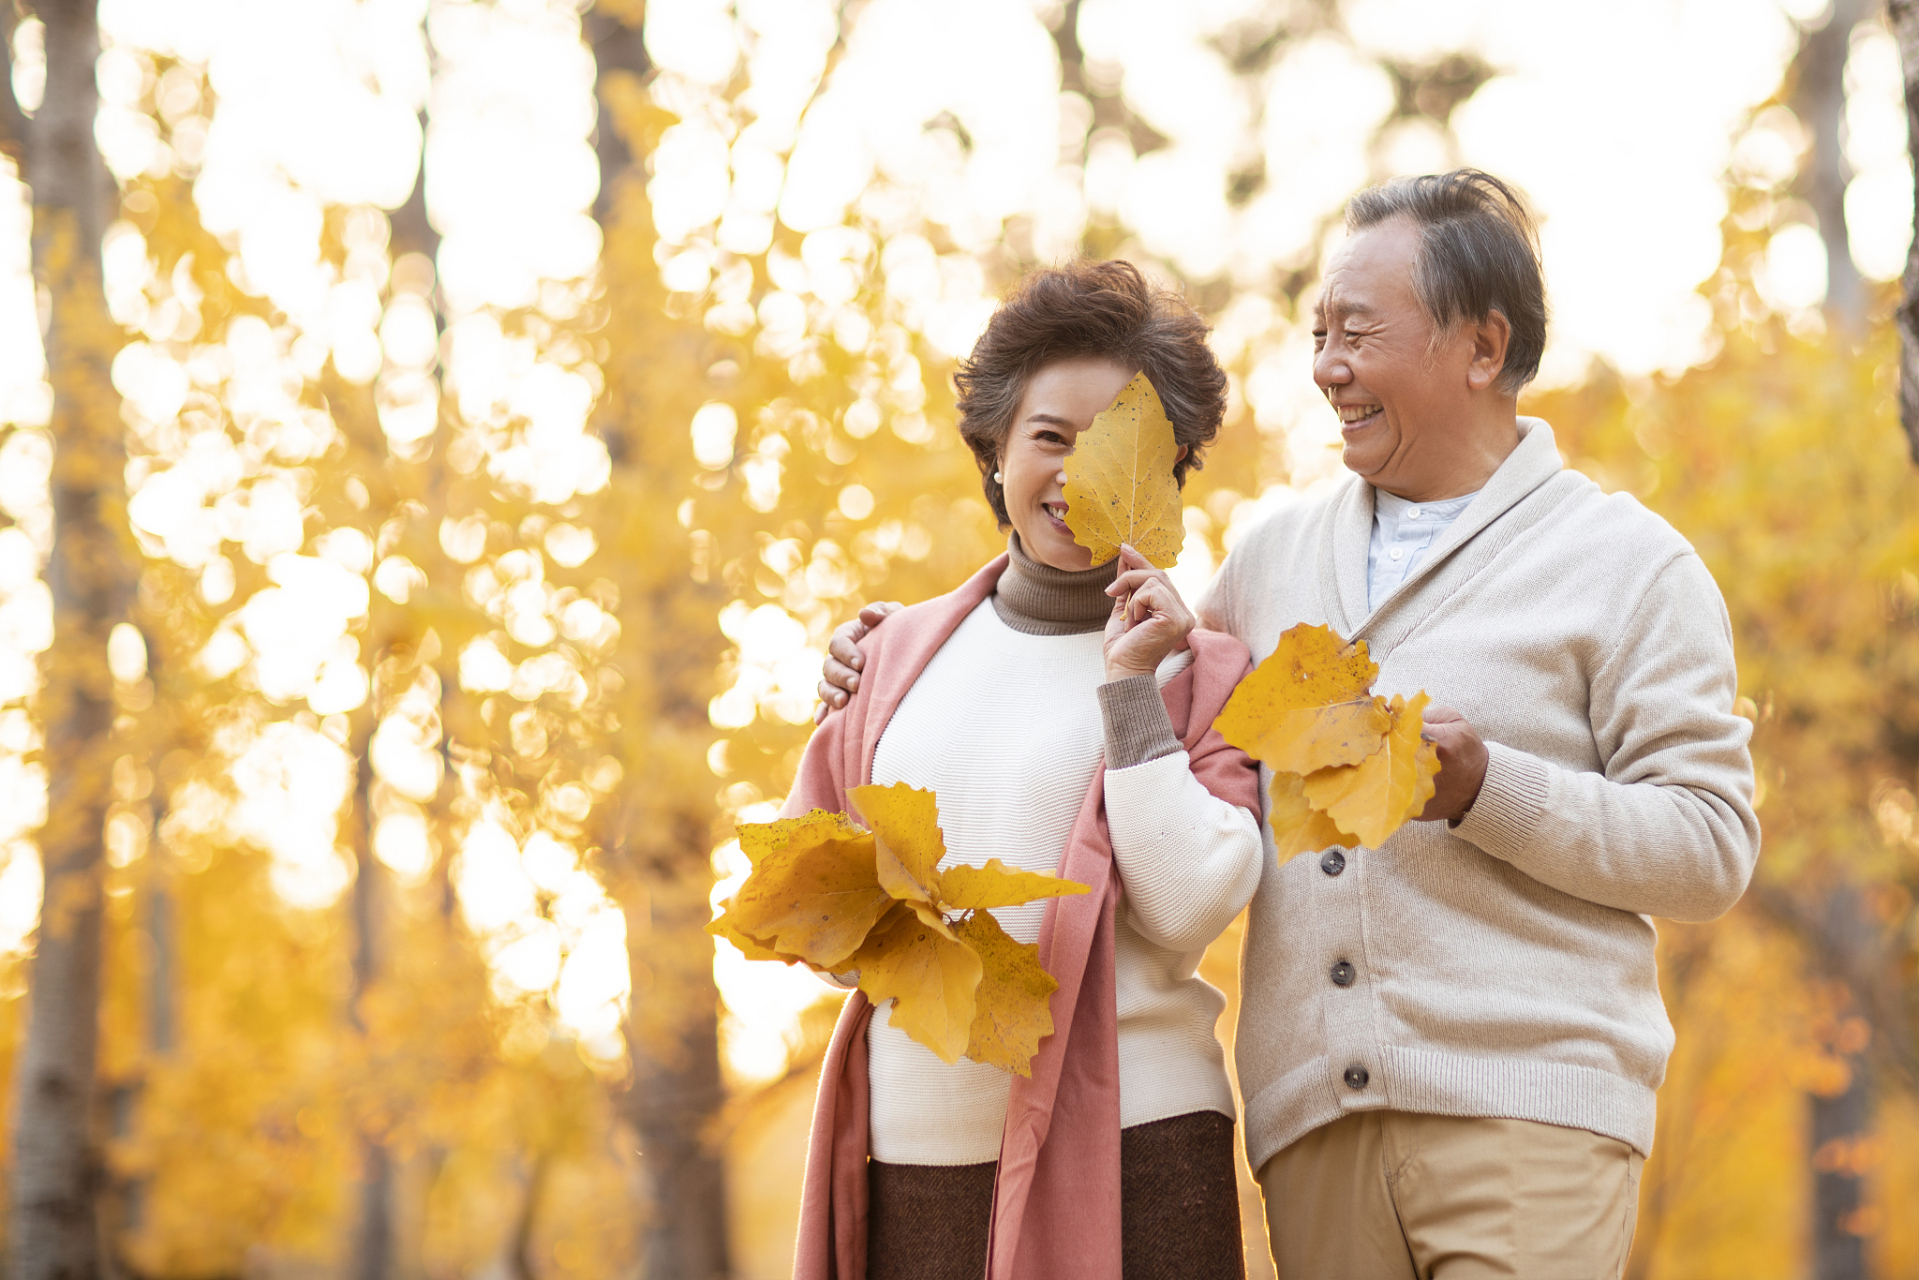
column 1056, row 1201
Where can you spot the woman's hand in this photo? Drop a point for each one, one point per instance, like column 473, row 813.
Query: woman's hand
column 1149, row 619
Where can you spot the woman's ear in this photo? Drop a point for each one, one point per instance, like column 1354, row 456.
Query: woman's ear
column 1181, row 455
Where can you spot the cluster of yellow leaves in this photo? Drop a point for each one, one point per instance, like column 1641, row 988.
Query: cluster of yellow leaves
column 828, row 893
column 1349, row 767
column 1119, row 480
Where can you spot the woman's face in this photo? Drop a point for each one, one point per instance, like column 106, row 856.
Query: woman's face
column 1061, row 400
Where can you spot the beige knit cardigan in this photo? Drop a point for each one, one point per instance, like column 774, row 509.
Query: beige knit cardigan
column 1503, row 967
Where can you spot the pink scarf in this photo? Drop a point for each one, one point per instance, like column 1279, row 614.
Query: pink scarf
column 1059, row 1158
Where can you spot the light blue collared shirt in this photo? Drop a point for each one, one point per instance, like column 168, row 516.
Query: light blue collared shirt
column 1402, row 533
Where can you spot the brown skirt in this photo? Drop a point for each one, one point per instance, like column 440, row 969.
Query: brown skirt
column 1179, row 1209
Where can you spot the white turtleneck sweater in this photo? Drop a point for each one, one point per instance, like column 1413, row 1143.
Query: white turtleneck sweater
column 1009, row 730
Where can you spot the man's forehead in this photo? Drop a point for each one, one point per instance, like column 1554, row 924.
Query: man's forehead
column 1341, row 294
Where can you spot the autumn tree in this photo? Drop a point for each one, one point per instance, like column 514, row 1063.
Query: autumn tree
column 56, row 1154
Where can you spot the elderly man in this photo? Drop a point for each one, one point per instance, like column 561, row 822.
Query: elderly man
column 1449, row 1045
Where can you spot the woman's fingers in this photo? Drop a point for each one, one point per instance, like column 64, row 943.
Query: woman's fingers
column 1159, row 601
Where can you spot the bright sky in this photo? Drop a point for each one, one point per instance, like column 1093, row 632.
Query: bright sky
column 1620, row 119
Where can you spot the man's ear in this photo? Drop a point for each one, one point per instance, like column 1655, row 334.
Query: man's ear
column 1491, row 337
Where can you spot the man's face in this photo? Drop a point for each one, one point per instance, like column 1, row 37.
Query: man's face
column 1394, row 391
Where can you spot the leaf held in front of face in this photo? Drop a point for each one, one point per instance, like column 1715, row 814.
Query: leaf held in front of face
column 931, row 974
column 1014, row 1009
column 1374, row 798
column 1119, row 480
column 1308, row 706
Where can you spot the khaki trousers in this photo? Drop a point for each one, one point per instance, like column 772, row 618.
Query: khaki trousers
column 1389, row 1195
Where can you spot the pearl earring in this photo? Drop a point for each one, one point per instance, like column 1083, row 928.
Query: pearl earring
column 998, row 479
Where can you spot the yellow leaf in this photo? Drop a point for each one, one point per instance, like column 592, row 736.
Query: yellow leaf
column 931, row 975
column 906, row 821
column 1308, row 706
column 1375, row 798
column 1119, row 480
column 1014, row 1004
column 757, row 839
column 1297, row 826
column 752, row 948
column 997, row 885
column 816, row 898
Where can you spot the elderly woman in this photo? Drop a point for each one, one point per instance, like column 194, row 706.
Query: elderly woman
column 1062, row 714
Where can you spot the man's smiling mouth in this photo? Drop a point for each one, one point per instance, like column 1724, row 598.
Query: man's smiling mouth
column 1349, row 414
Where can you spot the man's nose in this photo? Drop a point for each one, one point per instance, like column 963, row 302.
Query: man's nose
column 1329, row 367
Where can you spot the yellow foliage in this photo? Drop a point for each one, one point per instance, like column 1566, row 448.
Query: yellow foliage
column 816, row 897
column 965, row 888
column 839, row 898
column 1377, row 796
column 1015, row 992
column 1297, row 826
column 1309, row 705
column 1348, row 767
column 1119, row 480
column 933, row 977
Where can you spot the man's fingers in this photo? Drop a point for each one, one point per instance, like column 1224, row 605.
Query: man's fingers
column 874, row 614
column 844, row 648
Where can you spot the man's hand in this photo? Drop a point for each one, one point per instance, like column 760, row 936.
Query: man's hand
column 1149, row 619
column 1462, row 764
column 841, row 676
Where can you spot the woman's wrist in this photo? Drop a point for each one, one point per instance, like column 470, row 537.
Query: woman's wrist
column 1137, row 727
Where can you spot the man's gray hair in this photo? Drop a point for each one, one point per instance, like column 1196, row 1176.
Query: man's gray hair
column 1478, row 253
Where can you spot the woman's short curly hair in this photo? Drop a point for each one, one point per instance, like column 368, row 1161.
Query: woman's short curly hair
column 1089, row 308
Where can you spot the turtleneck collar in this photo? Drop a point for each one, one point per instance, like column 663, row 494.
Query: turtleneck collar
column 1040, row 600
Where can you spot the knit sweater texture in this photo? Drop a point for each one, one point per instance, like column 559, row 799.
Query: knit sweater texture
column 1503, row 967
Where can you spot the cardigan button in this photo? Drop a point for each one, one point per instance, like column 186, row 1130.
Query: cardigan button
column 1333, row 863
column 1344, row 973
column 1356, row 1077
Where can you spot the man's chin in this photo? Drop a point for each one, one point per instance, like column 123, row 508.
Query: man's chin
column 1363, row 459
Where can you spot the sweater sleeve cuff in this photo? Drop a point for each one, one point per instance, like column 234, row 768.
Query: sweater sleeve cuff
column 1137, row 726
column 1511, row 803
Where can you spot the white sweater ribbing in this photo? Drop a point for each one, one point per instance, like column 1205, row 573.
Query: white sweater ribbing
column 1006, row 728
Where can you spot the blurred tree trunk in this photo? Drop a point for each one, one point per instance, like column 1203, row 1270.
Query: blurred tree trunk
column 676, row 1092
column 1842, row 1119
column 373, row 1228
column 1903, row 17
column 1819, row 98
column 55, row 1177
column 1845, row 945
